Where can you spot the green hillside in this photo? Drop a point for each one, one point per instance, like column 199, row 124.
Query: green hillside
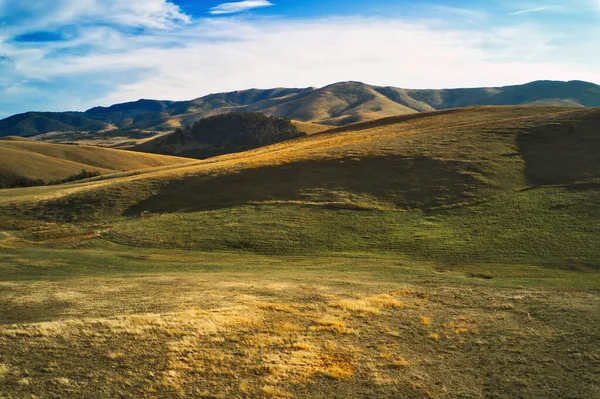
column 421, row 161
column 380, row 259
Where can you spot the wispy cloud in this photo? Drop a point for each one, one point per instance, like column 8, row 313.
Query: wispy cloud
column 467, row 13
column 239, row 6
column 27, row 16
column 165, row 54
column 538, row 9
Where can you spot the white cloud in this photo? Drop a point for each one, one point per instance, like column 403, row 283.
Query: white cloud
column 239, row 6
column 27, row 16
column 538, row 9
column 295, row 54
column 104, row 64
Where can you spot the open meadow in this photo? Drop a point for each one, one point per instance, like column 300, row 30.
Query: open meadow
column 451, row 254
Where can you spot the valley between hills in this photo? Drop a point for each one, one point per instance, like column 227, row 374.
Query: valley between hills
column 417, row 252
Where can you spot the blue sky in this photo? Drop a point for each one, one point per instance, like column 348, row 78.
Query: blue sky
column 60, row 55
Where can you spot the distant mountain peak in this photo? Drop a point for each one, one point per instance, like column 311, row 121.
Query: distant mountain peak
column 335, row 104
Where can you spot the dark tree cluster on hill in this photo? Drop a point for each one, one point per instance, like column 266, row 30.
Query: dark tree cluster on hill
column 14, row 181
column 234, row 132
column 84, row 174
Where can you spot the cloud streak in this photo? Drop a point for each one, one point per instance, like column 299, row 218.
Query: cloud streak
column 27, row 16
column 532, row 10
column 239, row 6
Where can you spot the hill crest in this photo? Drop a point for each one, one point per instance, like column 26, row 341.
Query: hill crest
column 422, row 161
column 336, row 104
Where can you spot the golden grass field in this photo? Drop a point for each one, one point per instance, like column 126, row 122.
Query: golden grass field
column 440, row 255
column 309, row 127
column 46, row 161
column 97, row 139
column 234, row 325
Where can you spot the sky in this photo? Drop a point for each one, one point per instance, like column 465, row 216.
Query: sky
column 58, row 55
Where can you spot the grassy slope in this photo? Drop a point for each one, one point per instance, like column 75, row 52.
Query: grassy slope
column 310, row 128
column 54, row 161
column 480, row 185
column 340, row 104
column 121, row 142
column 474, row 255
column 552, row 227
column 424, row 161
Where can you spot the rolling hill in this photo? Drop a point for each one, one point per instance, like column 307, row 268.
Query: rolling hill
column 336, row 104
column 379, row 259
column 33, row 123
column 25, row 158
column 423, row 161
column 223, row 134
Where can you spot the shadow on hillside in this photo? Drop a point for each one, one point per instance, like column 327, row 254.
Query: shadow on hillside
column 563, row 152
column 403, row 182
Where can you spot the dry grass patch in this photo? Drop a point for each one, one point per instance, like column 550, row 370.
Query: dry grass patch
column 287, row 328
column 264, row 340
column 434, row 336
column 115, row 355
column 303, row 346
column 388, row 331
column 338, row 372
column 399, row 362
column 369, row 305
column 337, row 362
column 24, row 381
column 64, row 381
column 272, row 392
column 356, row 305
column 385, row 301
column 461, row 325
column 4, row 371
column 278, row 307
column 333, row 325
column 393, row 360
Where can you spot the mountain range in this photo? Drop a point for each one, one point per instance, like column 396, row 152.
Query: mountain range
column 336, row 105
